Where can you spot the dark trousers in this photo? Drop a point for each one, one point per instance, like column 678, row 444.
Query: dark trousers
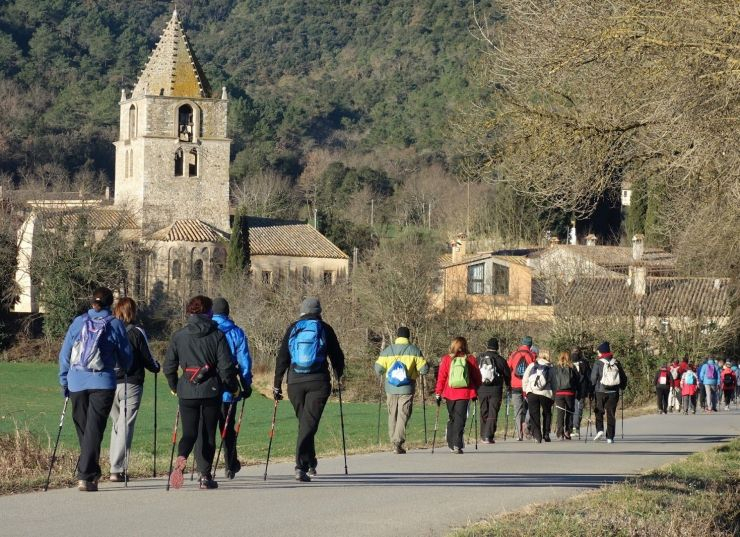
column 728, row 395
column 490, row 404
column 661, row 394
column 230, row 458
column 540, row 403
column 606, row 402
column 458, row 414
column 90, row 410
column 308, row 400
column 689, row 401
column 199, row 419
column 565, row 405
column 702, row 396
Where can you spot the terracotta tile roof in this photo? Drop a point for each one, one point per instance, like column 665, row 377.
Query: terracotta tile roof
column 615, row 257
column 98, row 218
column 172, row 67
column 664, row 297
column 446, row 261
column 289, row 238
column 189, row 231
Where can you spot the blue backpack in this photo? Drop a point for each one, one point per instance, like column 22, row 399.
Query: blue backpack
column 85, row 354
column 398, row 375
column 307, row 346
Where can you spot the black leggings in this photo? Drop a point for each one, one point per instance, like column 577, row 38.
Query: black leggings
column 199, row 415
column 308, row 400
column 458, row 414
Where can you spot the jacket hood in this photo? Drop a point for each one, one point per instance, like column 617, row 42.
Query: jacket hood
column 402, row 341
column 200, row 326
column 223, row 322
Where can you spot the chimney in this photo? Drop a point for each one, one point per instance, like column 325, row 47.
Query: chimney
column 459, row 248
column 591, row 240
column 107, row 192
column 224, row 95
column 638, row 247
column 123, row 95
column 572, row 235
column 638, row 280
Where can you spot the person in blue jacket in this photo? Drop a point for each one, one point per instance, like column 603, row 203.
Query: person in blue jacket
column 96, row 345
column 239, row 346
column 709, row 377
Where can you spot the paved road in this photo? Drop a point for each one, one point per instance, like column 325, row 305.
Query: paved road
column 418, row 494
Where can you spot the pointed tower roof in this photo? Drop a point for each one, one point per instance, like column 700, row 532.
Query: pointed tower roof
column 172, row 69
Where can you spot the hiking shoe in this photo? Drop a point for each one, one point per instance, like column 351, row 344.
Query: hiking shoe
column 398, row 449
column 312, row 472
column 302, row 476
column 485, row 441
column 609, row 440
column 176, row 477
column 457, row 451
column 230, row 474
column 599, row 436
column 206, row 482
column 575, row 430
column 117, row 477
column 87, row 486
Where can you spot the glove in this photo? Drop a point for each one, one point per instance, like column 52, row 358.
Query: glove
column 235, row 394
column 438, row 398
column 247, row 392
column 65, row 391
column 277, row 393
column 157, row 366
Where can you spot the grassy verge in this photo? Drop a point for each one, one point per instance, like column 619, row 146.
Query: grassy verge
column 699, row 495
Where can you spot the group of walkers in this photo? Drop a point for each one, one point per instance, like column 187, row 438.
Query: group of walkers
column 678, row 385
column 208, row 367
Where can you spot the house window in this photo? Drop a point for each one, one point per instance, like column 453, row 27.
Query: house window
column 132, row 122
column 306, row 275
column 198, row 270
column 475, row 279
column 539, row 293
column 193, row 163
column 500, row 280
column 328, row 277
column 178, row 163
column 185, row 123
column 175, row 270
column 266, row 277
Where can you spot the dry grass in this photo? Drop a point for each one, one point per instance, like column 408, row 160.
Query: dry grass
column 699, row 495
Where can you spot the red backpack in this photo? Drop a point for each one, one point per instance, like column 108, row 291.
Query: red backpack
column 663, row 377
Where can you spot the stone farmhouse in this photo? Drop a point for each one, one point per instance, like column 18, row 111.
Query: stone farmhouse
column 172, row 191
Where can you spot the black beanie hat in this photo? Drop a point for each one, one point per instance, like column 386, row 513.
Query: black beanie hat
column 604, row 347
column 493, row 344
column 403, row 332
column 220, row 306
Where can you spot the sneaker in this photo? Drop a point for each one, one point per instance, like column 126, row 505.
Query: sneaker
column 87, row 486
column 457, row 451
column 575, row 430
column 206, row 482
column 486, row 441
column 117, row 477
column 599, row 436
column 312, row 472
column 398, row 449
column 727, row 408
column 176, row 477
column 566, row 436
column 302, row 476
column 546, row 438
column 609, row 440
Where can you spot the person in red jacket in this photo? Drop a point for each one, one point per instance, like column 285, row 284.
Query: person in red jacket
column 728, row 382
column 457, row 381
column 689, row 387
column 518, row 362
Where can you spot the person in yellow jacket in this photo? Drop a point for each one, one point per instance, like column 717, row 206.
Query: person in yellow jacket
column 400, row 363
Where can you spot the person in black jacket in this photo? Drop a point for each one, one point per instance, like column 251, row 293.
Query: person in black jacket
column 201, row 351
column 566, row 391
column 608, row 378
column 129, row 389
column 585, row 389
column 495, row 374
column 304, row 351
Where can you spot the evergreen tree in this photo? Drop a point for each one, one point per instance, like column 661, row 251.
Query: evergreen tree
column 238, row 260
column 637, row 211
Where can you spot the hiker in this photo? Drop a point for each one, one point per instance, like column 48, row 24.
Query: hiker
column 95, row 344
column 307, row 344
column 518, row 362
column 129, row 389
column 729, row 381
column 538, row 382
column 401, row 363
column 689, row 387
column 608, row 378
column 495, row 374
column 457, row 381
column 662, row 384
column 567, row 389
column 584, row 392
column 702, row 391
column 239, row 347
column 202, row 352
column 674, row 394
column 709, row 376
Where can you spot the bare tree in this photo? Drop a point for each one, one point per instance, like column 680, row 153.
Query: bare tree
column 266, row 194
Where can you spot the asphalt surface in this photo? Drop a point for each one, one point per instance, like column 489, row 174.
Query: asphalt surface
column 417, row 494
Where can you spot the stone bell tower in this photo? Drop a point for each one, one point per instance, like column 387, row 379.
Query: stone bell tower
column 172, row 153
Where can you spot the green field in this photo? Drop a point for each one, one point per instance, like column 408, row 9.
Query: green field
column 30, row 398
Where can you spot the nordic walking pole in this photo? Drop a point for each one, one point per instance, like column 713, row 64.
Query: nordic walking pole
column 380, row 402
column 154, row 450
column 436, row 424
column 508, row 400
column 56, row 444
column 223, row 436
column 424, row 408
column 341, row 421
column 174, row 441
column 588, row 424
column 238, row 425
column 271, row 434
column 622, row 414
column 475, row 418
column 125, row 429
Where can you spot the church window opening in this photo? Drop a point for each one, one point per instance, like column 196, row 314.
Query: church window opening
column 198, row 270
column 176, row 270
column 178, row 163
column 185, row 123
column 193, row 163
column 132, row 122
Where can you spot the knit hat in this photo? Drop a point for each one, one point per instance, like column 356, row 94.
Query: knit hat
column 220, row 306
column 311, row 306
column 604, row 347
column 527, row 340
column 403, row 332
column 493, row 344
